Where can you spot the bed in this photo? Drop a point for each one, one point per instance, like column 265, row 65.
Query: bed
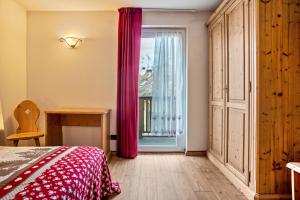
column 55, row 173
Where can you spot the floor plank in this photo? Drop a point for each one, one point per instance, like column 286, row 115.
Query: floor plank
column 170, row 177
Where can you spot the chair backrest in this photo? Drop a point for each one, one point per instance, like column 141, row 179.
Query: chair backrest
column 27, row 114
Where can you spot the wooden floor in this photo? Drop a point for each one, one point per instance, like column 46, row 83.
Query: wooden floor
column 170, row 177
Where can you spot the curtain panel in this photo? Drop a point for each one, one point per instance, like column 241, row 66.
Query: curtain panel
column 129, row 38
column 168, row 97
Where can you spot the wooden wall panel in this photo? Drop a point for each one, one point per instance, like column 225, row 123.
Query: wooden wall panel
column 294, row 62
column 278, row 99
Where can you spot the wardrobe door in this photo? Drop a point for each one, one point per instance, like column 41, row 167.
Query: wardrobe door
column 216, row 89
column 237, row 95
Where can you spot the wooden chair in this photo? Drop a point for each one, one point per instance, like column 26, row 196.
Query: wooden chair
column 27, row 114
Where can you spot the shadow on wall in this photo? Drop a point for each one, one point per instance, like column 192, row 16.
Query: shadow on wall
column 2, row 136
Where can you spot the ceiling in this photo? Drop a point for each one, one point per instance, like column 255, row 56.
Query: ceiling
column 103, row 5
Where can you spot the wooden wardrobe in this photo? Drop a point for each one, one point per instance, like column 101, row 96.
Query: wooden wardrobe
column 254, row 94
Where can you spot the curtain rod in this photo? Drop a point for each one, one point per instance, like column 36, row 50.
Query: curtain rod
column 169, row 10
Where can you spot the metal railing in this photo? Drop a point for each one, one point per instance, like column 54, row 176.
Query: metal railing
column 145, row 106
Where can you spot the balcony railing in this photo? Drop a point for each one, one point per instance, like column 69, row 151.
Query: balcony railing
column 145, row 106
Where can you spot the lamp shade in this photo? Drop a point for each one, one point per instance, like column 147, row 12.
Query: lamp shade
column 72, row 42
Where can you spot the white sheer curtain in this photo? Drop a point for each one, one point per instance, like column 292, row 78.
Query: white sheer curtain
column 168, row 98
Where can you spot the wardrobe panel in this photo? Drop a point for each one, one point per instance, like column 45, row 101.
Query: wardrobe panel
column 262, row 94
column 236, row 139
column 236, row 53
column 217, row 63
column 217, row 138
column 237, row 99
column 217, row 89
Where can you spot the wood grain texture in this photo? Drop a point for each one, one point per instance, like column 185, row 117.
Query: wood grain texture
column 235, row 139
column 278, row 96
column 195, row 153
column 229, row 88
column 296, row 186
column 294, row 62
column 217, row 89
column 237, row 182
column 79, row 111
column 171, row 177
column 217, row 130
column 295, row 181
column 56, row 119
column 26, row 114
column 105, row 133
column 237, row 79
column 271, row 29
column 218, row 62
column 236, row 46
column 25, row 136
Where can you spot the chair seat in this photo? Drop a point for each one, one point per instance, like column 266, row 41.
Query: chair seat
column 24, row 136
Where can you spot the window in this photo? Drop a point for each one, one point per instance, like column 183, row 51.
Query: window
column 162, row 91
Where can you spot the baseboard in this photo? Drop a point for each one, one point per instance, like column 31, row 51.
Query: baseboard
column 195, row 153
column 232, row 178
column 114, row 153
column 272, row 196
column 165, row 153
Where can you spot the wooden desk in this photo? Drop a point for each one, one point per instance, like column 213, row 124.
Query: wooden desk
column 56, row 119
column 295, row 175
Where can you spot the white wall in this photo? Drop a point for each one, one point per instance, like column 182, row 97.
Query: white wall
column 87, row 76
column 12, row 62
column 59, row 77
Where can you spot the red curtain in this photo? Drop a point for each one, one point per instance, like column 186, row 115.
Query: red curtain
column 129, row 39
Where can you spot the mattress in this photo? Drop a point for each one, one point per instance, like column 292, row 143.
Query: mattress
column 55, row 173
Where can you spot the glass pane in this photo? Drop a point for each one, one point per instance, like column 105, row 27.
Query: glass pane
column 146, row 137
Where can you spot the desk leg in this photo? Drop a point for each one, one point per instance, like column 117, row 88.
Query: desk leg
column 105, row 134
column 295, row 185
column 53, row 130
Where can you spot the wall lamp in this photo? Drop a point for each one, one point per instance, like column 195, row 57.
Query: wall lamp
column 72, row 42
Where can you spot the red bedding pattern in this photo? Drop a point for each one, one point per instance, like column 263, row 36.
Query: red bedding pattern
column 64, row 173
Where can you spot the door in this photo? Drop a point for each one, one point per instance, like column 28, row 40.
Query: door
column 217, row 89
column 237, row 86
column 162, row 90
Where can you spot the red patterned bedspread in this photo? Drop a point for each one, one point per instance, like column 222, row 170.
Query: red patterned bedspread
column 55, row 173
